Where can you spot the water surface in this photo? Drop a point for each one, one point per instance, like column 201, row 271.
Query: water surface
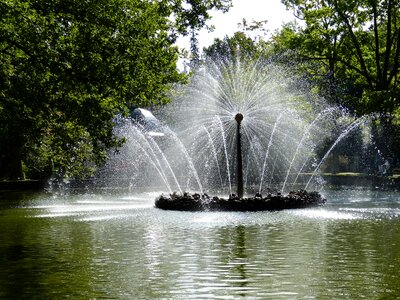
column 118, row 246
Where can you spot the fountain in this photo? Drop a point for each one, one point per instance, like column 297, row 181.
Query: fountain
column 237, row 124
column 236, row 202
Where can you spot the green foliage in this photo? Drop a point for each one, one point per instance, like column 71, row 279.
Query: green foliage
column 68, row 67
column 349, row 49
column 238, row 44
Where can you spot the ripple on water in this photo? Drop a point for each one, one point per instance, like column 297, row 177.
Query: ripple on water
column 326, row 214
column 122, row 247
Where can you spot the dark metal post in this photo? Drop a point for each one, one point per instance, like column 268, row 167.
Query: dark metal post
column 240, row 191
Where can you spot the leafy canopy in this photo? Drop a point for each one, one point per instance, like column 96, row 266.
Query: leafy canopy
column 67, row 67
column 353, row 46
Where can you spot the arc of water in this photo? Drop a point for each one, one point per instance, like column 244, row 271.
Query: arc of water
column 247, row 169
column 305, row 134
column 153, row 145
column 267, row 153
column 287, row 135
column 226, row 152
column 214, row 153
column 189, row 160
column 350, row 128
column 302, row 167
column 167, row 163
column 158, row 168
column 257, row 93
column 272, row 172
column 251, row 153
column 154, row 161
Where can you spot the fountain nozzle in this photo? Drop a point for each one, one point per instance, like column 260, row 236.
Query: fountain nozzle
column 239, row 118
column 240, row 190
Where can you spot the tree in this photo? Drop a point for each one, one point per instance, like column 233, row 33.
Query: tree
column 354, row 42
column 68, row 67
column 241, row 43
column 351, row 52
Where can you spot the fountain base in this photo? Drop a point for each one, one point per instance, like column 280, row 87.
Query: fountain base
column 272, row 202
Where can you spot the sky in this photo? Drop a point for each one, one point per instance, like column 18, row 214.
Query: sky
column 226, row 24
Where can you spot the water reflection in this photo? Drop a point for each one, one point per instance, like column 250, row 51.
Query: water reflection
column 121, row 247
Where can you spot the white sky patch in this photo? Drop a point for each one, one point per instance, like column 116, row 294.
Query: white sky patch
column 227, row 24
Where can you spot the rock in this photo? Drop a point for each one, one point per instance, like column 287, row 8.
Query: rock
column 197, row 202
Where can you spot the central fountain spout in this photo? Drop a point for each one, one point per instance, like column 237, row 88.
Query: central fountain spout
column 239, row 170
column 213, row 139
column 272, row 202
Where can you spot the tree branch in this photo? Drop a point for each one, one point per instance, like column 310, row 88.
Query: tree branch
column 377, row 45
column 389, row 43
column 396, row 63
column 356, row 45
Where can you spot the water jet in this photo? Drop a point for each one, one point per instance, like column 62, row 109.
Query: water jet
column 239, row 136
column 232, row 92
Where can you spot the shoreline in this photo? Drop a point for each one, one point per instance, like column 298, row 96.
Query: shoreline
column 23, row 185
column 343, row 178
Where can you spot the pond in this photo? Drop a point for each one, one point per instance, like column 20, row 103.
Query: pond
column 118, row 246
